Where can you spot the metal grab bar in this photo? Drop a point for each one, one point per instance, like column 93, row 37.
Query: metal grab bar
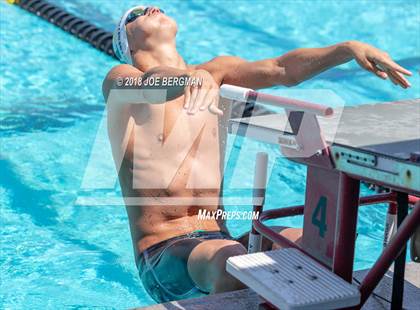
column 270, row 234
column 241, row 94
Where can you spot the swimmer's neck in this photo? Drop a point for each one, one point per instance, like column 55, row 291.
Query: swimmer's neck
column 158, row 55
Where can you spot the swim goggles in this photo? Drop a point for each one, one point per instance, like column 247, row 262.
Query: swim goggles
column 134, row 14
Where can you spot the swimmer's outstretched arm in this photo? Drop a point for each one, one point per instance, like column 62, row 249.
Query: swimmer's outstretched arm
column 301, row 64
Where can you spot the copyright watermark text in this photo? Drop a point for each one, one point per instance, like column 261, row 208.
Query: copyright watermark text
column 158, row 81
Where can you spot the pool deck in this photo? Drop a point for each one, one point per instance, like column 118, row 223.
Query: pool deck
column 247, row 299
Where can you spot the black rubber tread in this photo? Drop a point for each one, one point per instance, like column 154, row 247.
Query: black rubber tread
column 100, row 41
column 52, row 13
column 65, row 21
column 86, row 30
column 56, row 18
column 44, row 10
column 37, row 7
column 95, row 36
column 74, row 25
column 90, row 35
column 28, row 4
column 61, row 19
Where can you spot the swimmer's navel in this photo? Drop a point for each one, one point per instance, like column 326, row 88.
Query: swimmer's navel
column 160, row 137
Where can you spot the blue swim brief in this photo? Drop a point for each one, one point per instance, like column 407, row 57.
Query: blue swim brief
column 167, row 278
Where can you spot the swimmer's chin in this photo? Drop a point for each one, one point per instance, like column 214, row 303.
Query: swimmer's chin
column 164, row 24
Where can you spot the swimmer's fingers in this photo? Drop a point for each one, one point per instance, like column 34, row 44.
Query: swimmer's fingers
column 371, row 66
column 392, row 79
column 194, row 93
column 384, row 72
column 388, row 63
column 379, row 72
column 396, row 77
column 379, row 63
column 396, row 71
column 187, row 96
column 201, row 97
column 214, row 107
column 211, row 97
column 399, row 78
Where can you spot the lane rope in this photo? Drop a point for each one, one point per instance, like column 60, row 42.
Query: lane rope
column 84, row 30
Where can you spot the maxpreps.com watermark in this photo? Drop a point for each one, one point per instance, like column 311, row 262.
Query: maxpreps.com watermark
column 219, row 214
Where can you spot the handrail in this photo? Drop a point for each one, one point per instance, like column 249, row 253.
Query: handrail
column 270, row 234
column 242, row 94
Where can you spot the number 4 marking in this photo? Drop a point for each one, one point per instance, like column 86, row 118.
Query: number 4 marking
column 319, row 217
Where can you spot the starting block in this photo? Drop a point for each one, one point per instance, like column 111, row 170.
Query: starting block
column 375, row 143
column 291, row 280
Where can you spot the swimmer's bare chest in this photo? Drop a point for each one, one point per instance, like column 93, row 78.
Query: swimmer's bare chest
column 171, row 167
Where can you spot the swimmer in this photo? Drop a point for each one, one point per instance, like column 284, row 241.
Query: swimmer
column 174, row 149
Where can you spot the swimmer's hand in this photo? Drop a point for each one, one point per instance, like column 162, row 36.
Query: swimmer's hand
column 379, row 63
column 202, row 93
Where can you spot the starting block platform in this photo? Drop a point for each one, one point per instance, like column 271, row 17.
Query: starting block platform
column 378, row 142
column 291, row 280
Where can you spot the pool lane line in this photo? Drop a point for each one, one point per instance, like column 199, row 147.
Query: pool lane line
column 84, row 30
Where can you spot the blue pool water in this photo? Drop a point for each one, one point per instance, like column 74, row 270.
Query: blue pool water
column 56, row 253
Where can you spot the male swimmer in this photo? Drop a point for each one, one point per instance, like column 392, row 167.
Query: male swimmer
column 173, row 149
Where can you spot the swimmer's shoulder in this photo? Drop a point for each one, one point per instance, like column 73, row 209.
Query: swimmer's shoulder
column 122, row 70
column 118, row 72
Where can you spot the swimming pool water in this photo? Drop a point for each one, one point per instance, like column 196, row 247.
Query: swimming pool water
column 58, row 254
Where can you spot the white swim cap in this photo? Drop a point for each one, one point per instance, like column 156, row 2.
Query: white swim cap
column 119, row 39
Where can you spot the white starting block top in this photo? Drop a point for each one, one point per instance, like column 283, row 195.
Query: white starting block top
column 372, row 141
column 289, row 279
